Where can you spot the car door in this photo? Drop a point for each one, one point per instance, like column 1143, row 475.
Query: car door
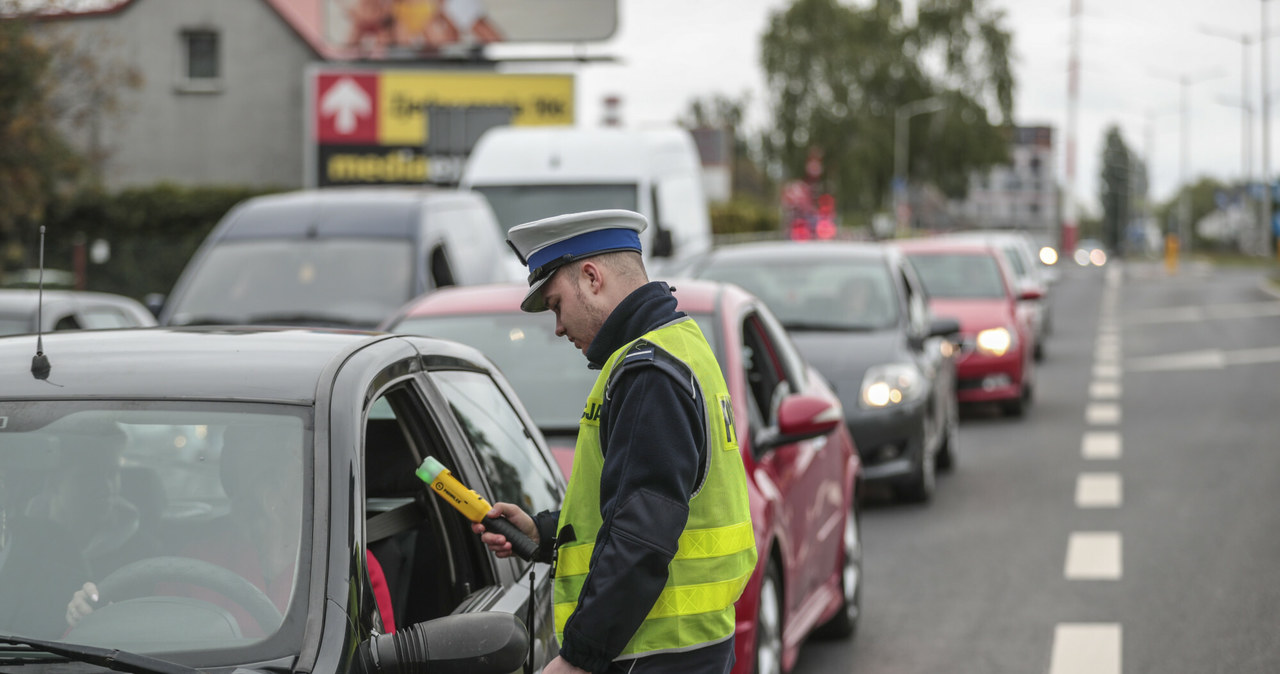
column 807, row 477
column 931, row 354
column 507, row 461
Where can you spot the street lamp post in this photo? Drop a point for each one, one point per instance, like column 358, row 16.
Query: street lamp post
column 901, row 133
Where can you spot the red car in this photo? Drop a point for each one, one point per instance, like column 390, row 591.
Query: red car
column 803, row 471
column 970, row 281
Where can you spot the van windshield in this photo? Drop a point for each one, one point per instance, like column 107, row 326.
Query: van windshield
column 516, row 204
column 341, row 282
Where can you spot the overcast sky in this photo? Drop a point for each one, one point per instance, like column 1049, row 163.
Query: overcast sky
column 1133, row 54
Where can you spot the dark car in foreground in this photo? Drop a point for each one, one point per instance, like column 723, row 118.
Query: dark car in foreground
column 804, row 477
column 858, row 314
column 224, row 488
column 971, row 281
column 23, row 311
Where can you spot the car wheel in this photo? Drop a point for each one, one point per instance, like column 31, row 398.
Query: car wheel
column 920, row 485
column 769, row 622
column 1039, row 352
column 1018, row 406
column 844, row 624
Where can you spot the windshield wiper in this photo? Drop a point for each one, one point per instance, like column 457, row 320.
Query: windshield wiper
column 320, row 320
column 111, row 658
column 808, row 325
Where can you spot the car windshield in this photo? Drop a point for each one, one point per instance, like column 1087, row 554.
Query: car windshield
column 188, row 517
column 550, row 377
column 15, row 325
column 516, row 204
column 959, row 275
column 328, row 282
column 843, row 294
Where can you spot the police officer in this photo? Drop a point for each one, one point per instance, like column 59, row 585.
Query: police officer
column 653, row 543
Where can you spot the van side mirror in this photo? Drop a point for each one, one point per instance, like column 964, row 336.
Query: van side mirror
column 662, row 245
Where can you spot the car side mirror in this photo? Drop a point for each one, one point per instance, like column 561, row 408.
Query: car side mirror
column 489, row 642
column 1030, row 294
column 662, row 245
column 801, row 417
column 942, row 327
column 154, row 302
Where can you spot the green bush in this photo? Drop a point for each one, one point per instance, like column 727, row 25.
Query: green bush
column 743, row 217
column 151, row 233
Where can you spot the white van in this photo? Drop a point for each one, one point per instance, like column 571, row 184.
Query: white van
column 529, row 173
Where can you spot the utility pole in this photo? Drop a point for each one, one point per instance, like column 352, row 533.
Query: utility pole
column 1070, row 226
column 1185, row 226
column 901, row 134
column 1266, row 142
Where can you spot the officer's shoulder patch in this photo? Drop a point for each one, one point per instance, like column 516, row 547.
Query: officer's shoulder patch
column 644, row 353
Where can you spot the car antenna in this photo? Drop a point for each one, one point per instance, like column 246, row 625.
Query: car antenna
column 40, row 363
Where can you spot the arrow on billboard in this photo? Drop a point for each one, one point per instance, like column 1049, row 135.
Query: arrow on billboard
column 345, row 101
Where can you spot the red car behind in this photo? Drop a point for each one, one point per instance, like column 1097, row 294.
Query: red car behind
column 969, row 281
column 803, row 472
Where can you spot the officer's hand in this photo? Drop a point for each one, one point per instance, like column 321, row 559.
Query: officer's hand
column 561, row 665
column 82, row 603
column 498, row 543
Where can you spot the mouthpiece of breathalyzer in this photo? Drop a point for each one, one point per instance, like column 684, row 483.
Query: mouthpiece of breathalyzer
column 472, row 505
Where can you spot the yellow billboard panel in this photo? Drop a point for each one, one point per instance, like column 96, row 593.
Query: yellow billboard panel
column 404, row 97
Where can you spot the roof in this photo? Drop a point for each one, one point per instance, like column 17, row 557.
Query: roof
column 340, row 211
column 940, row 244
column 773, row 250
column 213, row 363
column 693, row 296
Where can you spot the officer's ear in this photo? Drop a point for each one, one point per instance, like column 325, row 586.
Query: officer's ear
column 592, row 274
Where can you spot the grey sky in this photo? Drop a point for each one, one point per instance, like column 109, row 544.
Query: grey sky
column 1132, row 54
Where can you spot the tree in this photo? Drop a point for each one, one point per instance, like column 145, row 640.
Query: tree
column 1116, row 188
column 724, row 112
column 49, row 85
column 838, row 74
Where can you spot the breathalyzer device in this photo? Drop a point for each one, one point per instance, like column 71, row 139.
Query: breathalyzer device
column 472, row 505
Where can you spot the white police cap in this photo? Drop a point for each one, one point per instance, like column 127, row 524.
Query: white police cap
column 548, row 244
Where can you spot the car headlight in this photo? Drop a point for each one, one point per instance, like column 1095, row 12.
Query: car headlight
column 994, row 341
column 1048, row 255
column 888, row 385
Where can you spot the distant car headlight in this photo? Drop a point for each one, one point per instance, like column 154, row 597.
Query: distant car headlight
column 994, row 341
column 1048, row 255
column 1097, row 257
column 888, row 385
column 1082, row 257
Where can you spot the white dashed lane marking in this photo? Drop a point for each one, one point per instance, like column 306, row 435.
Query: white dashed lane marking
column 1086, row 648
column 1102, row 414
column 1104, row 390
column 1099, row 490
column 1093, row 555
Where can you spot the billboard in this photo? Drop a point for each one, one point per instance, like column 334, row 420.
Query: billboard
column 414, row 28
column 409, row 127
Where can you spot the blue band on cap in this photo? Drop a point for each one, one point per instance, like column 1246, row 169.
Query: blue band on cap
column 585, row 244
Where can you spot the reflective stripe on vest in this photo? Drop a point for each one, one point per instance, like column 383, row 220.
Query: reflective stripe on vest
column 717, row 551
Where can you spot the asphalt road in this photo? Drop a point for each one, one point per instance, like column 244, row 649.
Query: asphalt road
column 1129, row 523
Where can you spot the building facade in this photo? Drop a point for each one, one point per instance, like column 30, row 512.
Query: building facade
column 1020, row 195
column 220, row 99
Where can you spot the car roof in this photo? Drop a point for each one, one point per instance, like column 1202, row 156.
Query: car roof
column 335, row 211
column 694, row 296
column 942, row 244
column 25, row 300
column 763, row 251
column 215, row 363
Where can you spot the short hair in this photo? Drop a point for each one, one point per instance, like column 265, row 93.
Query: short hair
column 626, row 264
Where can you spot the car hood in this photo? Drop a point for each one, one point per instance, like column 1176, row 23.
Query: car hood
column 974, row 315
column 843, row 357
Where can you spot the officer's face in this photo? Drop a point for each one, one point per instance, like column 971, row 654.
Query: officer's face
column 567, row 296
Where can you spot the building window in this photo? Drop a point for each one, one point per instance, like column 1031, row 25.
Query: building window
column 200, row 61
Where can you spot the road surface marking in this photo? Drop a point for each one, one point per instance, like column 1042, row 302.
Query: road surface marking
column 1109, row 390
column 1086, row 648
column 1101, row 445
column 1106, row 371
column 1098, row 490
column 1093, row 555
column 1194, row 314
column 1109, row 355
column 1208, row 359
column 1102, row 414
